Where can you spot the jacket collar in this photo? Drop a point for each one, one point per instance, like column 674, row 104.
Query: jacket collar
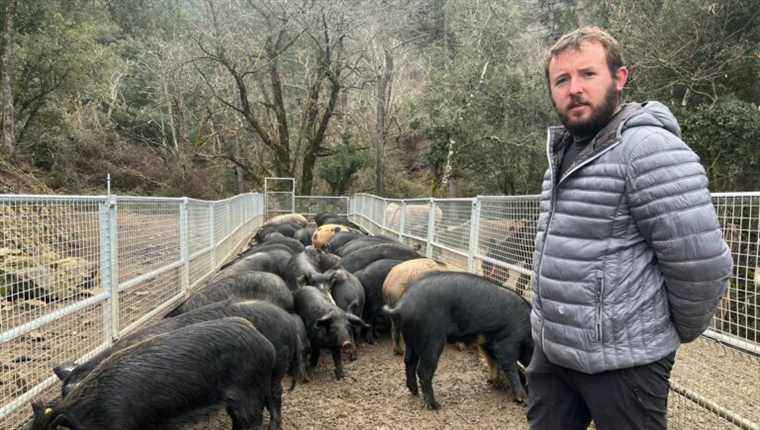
column 559, row 137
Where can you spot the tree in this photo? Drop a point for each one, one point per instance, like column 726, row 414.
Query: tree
column 339, row 170
column 7, row 72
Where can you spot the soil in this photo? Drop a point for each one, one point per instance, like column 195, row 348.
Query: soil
column 373, row 396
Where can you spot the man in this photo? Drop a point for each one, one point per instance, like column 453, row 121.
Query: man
column 630, row 261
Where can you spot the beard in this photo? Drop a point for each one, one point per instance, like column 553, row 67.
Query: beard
column 600, row 115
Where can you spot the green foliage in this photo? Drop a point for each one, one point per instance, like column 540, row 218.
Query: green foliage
column 339, row 169
column 727, row 139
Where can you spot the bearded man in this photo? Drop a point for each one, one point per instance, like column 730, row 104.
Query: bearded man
column 630, row 260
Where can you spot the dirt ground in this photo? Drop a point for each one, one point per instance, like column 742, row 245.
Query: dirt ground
column 373, row 396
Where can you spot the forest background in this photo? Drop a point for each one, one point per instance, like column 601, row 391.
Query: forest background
column 445, row 98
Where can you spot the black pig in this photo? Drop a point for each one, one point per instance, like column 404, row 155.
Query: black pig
column 461, row 307
column 308, row 263
column 327, row 326
column 361, row 258
column 283, row 329
column 225, row 361
column 246, row 286
column 372, row 278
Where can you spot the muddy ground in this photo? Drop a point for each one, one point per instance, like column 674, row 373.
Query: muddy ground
column 373, row 396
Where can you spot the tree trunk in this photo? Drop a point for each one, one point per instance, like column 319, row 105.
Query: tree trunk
column 239, row 173
column 383, row 98
column 7, row 68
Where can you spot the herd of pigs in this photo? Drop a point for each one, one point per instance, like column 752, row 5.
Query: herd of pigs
column 301, row 287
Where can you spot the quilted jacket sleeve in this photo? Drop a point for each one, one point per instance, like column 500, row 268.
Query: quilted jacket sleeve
column 672, row 208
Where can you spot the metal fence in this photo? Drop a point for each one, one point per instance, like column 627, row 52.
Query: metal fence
column 78, row 272
column 716, row 380
column 312, row 205
column 279, row 196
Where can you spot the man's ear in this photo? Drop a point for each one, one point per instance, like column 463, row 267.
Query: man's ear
column 621, row 78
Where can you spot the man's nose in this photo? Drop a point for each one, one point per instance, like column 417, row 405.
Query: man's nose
column 576, row 86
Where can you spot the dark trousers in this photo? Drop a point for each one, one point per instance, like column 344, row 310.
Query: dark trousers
column 632, row 398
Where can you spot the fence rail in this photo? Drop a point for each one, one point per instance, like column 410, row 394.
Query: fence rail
column 80, row 271
column 716, row 378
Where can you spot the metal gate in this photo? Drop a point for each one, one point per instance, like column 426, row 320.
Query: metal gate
column 279, row 196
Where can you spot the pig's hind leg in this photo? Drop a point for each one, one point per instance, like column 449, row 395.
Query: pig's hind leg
column 506, row 353
column 426, row 369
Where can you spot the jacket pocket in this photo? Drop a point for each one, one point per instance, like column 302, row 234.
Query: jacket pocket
column 599, row 296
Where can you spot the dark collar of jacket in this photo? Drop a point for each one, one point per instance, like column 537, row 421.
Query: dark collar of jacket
column 559, row 138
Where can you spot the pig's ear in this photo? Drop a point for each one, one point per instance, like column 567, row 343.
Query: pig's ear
column 340, row 276
column 325, row 320
column 61, row 420
column 64, row 370
column 303, row 280
column 353, row 319
column 353, row 307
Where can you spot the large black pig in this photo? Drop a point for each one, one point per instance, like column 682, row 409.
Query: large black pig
column 361, row 258
column 283, row 329
column 342, row 238
column 245, row 286
column 361, row 242
column 327, row 325
column 266, row 247
column 291, row 242
column 372, row 278
column 287, row 230
column 445, row 307
column 308, row 263
column 348, row 294
column 271, row 261
column 148, row 386
column 304, row 234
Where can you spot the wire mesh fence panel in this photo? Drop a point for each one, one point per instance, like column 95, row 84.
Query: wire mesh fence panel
column 506, row 231
column 739, row 313
column 453, row 229
column 416, row 218
column 312, row 205
column 28, row 360
column 200, row 266
column 683, row 413
column 49, row 252
column 148, row 236
column 393, row 216
column 198, row 226
column 451, row 232
column 702, row 367
column 137, row 301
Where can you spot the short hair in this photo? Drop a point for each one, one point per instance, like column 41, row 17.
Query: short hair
column 575, row 39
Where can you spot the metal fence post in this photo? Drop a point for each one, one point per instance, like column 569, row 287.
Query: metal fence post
column 109, row 270
column 402, row 221
column 474, row 235
column 184, row 246
column 430, row 230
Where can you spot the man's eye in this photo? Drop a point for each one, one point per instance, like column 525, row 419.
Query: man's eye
column 560, row 81
column 589, row 74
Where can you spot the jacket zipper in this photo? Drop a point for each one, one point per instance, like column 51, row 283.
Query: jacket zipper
column 600, row 305
column 549, row 218
column 588, row 160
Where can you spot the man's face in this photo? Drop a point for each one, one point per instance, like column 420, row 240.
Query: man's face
column 584, row 93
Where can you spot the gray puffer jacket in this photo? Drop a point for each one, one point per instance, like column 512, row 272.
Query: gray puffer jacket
column 630, row 260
